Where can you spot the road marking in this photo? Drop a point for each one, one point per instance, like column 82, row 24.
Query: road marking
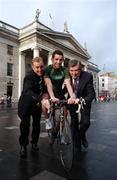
column 11, row 127
column 43, row 134
column 92, row 120
column 113, row 132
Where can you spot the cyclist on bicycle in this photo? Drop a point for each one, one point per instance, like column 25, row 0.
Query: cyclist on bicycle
column 55, row 76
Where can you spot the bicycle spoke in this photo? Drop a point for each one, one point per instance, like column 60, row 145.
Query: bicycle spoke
column 66, row 148
column 52, row 134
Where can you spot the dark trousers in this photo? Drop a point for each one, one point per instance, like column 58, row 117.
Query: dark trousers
column 78, row 129
column 25, row 127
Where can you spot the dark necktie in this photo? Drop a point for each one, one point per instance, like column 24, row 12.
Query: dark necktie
column 40, row 86
column 75, row 86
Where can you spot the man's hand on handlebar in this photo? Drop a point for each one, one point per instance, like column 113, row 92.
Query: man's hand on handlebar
column 71, row 100
column 77, row 100
column 55, row 100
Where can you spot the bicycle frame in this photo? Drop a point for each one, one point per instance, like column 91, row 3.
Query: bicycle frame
column 59, row 106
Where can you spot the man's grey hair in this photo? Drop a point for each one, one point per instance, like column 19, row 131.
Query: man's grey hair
column 74, row 62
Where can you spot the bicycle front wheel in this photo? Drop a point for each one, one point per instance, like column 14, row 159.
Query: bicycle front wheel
column 52, row 133
column 66, row 146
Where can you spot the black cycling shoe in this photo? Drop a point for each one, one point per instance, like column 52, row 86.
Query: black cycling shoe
column 34, row 148
column 23, row 152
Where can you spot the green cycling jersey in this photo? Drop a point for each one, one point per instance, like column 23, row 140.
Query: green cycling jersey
column 57, row 77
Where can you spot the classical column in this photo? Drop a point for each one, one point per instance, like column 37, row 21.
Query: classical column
column 36, row 51
column 21, row 71
column 85, row 67
column 49, row 58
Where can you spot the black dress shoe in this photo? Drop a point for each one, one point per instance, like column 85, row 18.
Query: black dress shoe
column 34, row 148
column 77, row 146
column 23, row 152
column 84, row 142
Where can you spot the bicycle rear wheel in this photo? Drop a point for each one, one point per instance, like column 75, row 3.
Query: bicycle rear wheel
column 66, row 147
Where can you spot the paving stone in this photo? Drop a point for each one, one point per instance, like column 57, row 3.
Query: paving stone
column 46, row 175
column 4, row 117
column 97, row 147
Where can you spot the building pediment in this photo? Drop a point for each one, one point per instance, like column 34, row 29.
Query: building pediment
column 64, row 39
column 69, row 41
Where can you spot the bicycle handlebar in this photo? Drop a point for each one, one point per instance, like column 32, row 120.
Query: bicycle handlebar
column 61, row 102
column 81, row 104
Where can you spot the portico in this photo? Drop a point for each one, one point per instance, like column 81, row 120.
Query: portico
column 33, row 40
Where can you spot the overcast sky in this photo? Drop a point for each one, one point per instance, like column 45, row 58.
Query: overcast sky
column 93, row 22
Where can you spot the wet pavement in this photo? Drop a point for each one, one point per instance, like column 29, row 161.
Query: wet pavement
column 98, row 162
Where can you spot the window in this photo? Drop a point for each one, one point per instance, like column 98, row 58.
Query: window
column 9, row 49
column 9, row 90
column 9, row 69
column 102, row 79
column 102, row 84
column 95, row 75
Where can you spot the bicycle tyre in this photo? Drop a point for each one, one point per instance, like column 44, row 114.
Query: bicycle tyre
column 66, row 149
column 52, row 133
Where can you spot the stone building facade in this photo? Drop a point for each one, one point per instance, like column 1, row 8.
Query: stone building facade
column 93, row 69
column 19, row 46
column 108, row 84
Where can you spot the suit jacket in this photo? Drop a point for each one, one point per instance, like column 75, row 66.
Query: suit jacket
column 30, row 95
column 85, row 88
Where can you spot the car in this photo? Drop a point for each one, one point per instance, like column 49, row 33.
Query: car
column 102, row 98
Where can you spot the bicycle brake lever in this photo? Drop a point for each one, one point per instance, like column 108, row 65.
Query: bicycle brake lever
column 79, row 107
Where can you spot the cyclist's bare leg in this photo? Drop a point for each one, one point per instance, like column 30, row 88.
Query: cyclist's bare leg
column 45, row 107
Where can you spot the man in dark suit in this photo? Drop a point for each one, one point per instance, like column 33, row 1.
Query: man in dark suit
column 82, row 83
column 28, row 105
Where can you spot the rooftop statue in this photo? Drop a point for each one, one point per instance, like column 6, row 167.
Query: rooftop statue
column 65, row 27
column 37, row 14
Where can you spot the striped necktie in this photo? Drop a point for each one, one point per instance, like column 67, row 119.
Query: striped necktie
column 40, row 86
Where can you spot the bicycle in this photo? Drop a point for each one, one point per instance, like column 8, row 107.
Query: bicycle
column 60, row 134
